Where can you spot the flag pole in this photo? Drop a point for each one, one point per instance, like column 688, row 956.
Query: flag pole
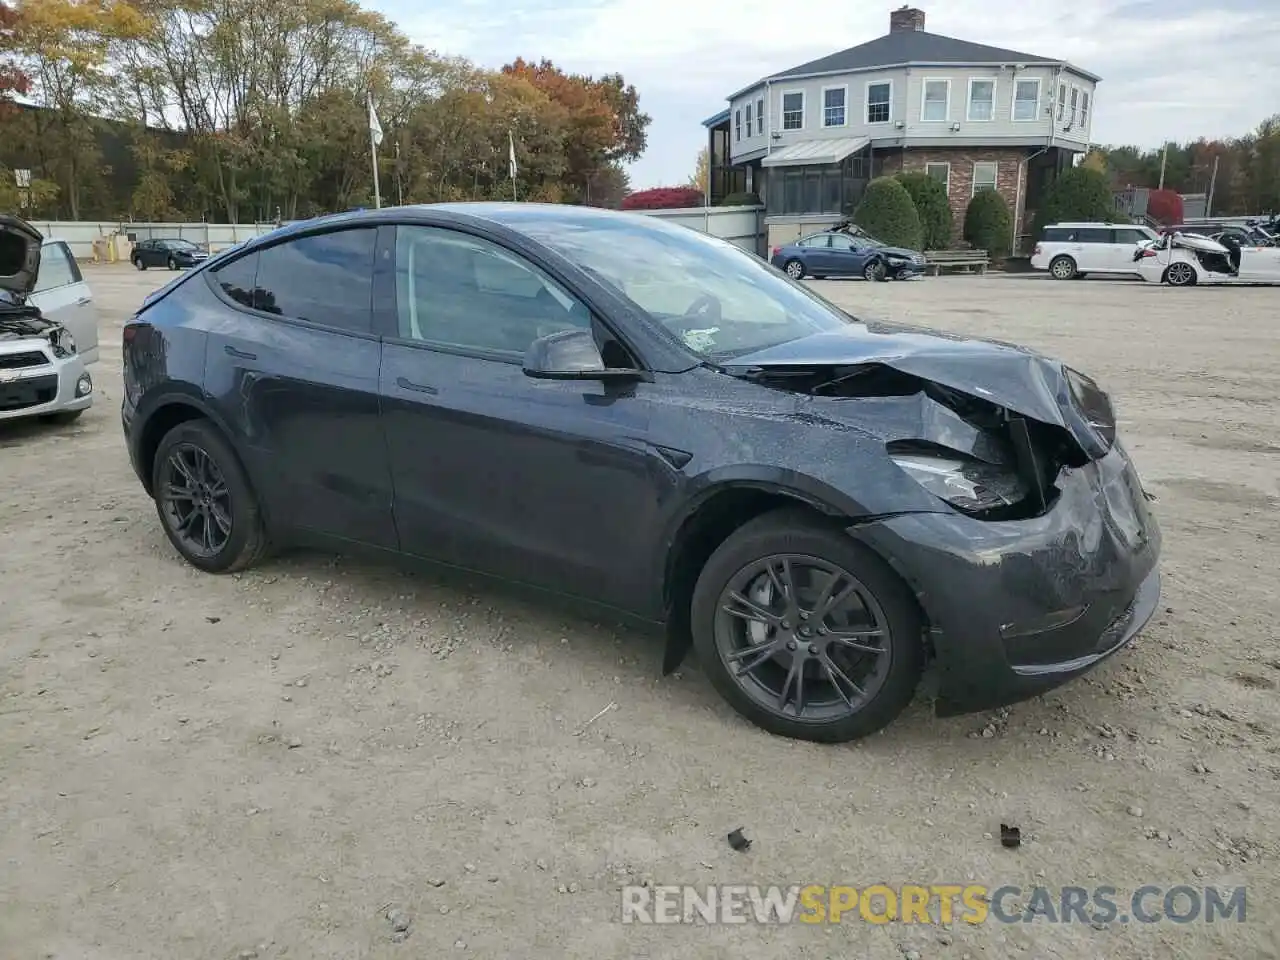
column 511, row 165
column 375, row 134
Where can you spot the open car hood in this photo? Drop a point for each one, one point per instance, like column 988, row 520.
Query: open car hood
column 1193, row 241
column 1007, row 375
column 19, row 254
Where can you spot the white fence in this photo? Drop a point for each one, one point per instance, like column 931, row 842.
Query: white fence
column 743, row 226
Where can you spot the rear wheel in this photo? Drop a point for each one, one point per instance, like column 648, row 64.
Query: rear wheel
column 1180, row 274
column 875, row 270
column 204, row 499
column 794, row 269
column 1062, row 268
column 805, row 632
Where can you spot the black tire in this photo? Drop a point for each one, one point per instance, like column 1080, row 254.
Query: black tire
column 1079, row 276
column 63, row 418
column 137, row 262
column 1062, row 268
column 246, row 543
column 173, row 265
column 875, row 270
column 797, row 533
column 1180, row 274
column 794, row 269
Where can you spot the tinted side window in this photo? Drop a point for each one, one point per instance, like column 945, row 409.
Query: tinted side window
column 1057, row 235
column 57, row 268
column 325, row 279
column 1094, row 235
column 460, row 291
column 1130, row 236
column 238, row 279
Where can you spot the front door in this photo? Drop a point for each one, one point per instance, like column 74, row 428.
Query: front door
column 62, row 295
column 546, row 482
column 295, row 373
column 848, row 255
column 1260, row 264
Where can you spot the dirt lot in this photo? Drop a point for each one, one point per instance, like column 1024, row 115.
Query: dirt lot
column 198, row 767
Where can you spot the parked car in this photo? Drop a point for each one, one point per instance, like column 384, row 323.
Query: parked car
column 1185, row 259
column 174, row 253
column 48, row 327
column 837, row 253
column 1252, row 235
column 609, row 406
column 1072, row 251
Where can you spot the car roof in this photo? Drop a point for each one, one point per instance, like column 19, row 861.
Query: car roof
column 1081, row 224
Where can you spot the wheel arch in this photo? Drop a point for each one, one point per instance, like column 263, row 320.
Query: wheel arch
column 708, row 519
column 165, row 413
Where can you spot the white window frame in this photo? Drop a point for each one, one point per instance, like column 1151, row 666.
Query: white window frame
column 924, row 99
column 866, row 102
column 1075, row 103
column 968, row 107
column 1062, row 100
column 749, row 119
column 995, row 177
column 759, row 116
column 940, row 163
column 1013, row 107
column 844, row 88
column 1084, row 109
column 737, row 125
column 782, row 103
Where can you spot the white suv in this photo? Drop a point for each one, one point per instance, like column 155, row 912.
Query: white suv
column 1072, row 250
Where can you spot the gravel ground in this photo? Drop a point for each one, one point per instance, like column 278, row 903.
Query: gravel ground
column 268, row 764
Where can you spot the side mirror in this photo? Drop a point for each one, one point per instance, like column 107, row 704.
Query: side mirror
column 572, row 355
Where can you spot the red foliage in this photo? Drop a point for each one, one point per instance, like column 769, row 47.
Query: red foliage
column 663, row 198
column 12, row 80
column 1165, row 206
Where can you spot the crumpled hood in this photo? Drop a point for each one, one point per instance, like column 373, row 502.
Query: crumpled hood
column 899, row 252
column 1193, row 241
column 19, row 254
column 1010, row 376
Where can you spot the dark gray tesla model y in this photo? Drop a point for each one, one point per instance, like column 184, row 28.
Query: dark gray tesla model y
column 615, row 408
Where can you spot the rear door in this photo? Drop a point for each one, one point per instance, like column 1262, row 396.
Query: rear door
column 292, row 364
column 1095, row 249
column 817, row 253
column 62, row 295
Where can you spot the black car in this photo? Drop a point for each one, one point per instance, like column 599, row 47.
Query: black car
column 174, row 253
column 612, row 407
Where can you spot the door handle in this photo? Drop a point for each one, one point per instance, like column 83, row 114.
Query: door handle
column 241, row 354
column 84, row 301
column 406, row 384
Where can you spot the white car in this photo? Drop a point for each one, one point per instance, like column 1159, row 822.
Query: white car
column 1070, row 251
column 48, row 327
column 1184, row 259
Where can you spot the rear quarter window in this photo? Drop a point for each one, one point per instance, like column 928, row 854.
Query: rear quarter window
column 238, row 279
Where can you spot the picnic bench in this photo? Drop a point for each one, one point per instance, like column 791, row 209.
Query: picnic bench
column 970, row 260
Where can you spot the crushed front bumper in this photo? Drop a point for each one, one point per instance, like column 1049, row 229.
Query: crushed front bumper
column 1017, row 608
column 34, row 382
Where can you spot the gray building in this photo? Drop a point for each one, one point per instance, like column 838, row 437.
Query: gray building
column 808, row 139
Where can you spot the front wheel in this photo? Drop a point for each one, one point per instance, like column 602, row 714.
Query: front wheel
column 875, row 270
column 794, row 269
column 172, row 264
column 806, row 632
column 137, row 262
column 1180, row 274
column 204, row 499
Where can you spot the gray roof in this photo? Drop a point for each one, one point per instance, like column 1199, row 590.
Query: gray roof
column 912, row 46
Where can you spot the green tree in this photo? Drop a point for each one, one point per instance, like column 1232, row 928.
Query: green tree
column 887, row 213
column 988, row 224
column 1079, row 194
column 932, row 206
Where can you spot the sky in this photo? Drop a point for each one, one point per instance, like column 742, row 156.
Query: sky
column 1171, row 69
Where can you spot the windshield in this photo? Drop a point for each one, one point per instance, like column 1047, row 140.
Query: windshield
column 720, row 300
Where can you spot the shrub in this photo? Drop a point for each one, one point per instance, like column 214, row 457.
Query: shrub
column 988, row 224
column 932, row 206
column 1078, row 194
column 743, row 199
column 1165, row 206
column 887, row 213
column 663, row 198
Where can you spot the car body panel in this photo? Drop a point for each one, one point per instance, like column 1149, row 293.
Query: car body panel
column 62, row 294
column 585, row 487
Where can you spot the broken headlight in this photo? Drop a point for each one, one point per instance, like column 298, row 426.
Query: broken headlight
column 1094, row 405
column 64, row 345
column 967, row 484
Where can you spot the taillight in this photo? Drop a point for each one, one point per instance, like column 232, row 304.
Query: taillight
column 775, row 251
column 1036, row 252
column 1148, row 252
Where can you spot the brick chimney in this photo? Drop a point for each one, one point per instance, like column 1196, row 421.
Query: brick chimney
column 906, row 18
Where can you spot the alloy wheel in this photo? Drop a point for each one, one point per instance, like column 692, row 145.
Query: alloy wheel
column 795, row 270
column 803, row 638
column 1063, row 269
column 195, row 500
column 1181, row 274
column 874, row 271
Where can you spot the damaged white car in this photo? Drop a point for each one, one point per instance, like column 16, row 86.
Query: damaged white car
column 48, row 327
column 1183, row 259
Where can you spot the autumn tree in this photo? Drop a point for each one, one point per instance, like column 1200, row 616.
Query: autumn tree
column 701, row 178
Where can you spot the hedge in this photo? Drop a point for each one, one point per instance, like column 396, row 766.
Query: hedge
column 1078, row 195
column 988, row 224
column 664, row 198
column 932, row 206
column 887, row 213
column 744, row 198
